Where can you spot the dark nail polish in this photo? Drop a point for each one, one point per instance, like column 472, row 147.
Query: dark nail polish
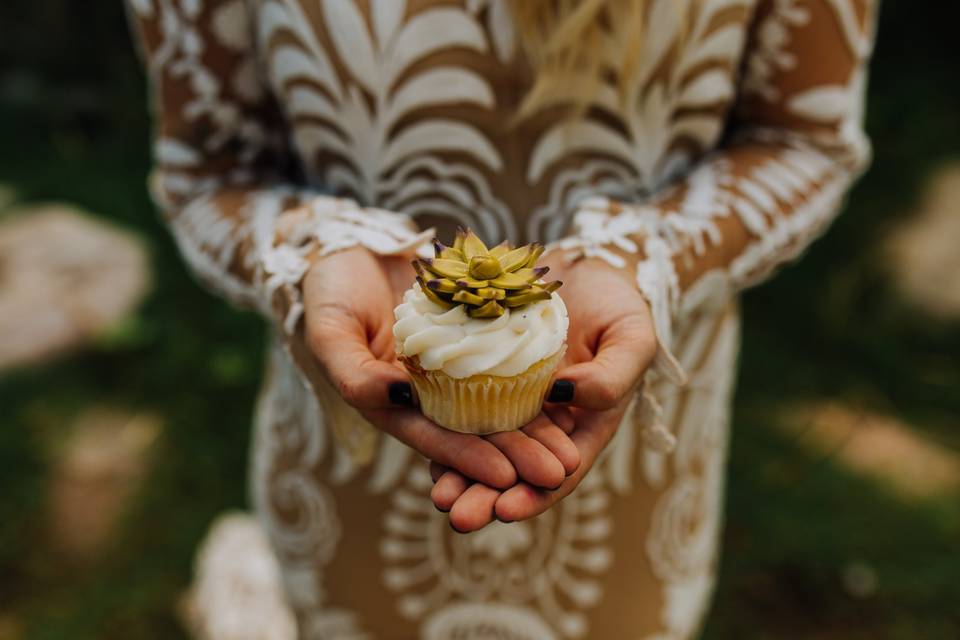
column 561, row 391
column 400, row 394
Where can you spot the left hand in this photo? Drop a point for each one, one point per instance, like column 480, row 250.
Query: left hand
column 610, row 344
column 348, row 330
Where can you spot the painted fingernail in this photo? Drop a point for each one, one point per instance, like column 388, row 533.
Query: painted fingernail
column 400, row 394
column 562, row 391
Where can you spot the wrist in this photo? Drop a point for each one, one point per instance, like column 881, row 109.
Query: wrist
column 326, row 226
column 598, row 266
column 317, row 257
column 356, row 260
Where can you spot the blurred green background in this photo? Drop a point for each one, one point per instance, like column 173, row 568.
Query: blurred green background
column 818, row 543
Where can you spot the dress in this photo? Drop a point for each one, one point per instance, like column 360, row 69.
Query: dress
column 732, row 147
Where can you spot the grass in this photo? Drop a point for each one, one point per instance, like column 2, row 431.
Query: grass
column 829, row 327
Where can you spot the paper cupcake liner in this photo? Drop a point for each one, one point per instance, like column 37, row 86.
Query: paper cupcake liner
column 483, row 404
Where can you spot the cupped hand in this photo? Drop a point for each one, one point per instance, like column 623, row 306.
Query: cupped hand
column 349, row 298
column 610, row 344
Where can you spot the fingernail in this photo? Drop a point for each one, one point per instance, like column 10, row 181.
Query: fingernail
column 562, row 391
column 400, row 394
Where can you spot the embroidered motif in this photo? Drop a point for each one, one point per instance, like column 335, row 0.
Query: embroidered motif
column 387, row 106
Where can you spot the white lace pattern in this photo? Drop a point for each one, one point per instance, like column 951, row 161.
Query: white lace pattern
column 395, row 110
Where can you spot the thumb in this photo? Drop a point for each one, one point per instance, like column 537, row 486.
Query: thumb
column 624, row 352
column 338, row 339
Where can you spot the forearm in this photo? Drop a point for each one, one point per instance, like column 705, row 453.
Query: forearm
column 744, row 211
column 223, row 174
column 796, row 145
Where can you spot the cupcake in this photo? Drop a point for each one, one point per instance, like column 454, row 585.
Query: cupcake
column 481, row 334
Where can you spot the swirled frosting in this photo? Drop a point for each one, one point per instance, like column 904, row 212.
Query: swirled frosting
column 461, row 346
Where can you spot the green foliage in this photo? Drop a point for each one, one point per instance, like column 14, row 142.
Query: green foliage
column 73, row 126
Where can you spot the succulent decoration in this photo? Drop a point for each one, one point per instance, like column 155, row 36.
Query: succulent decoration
column 486, row 281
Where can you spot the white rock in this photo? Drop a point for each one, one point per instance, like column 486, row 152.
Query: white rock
column 64, row 278
column 237, row 593
column 925, row 249
column 877, row 445
column 97, row 468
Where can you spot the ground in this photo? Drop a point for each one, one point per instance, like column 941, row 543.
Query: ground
column 816, row 545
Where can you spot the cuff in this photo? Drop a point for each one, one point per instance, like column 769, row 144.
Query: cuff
column 324, row 226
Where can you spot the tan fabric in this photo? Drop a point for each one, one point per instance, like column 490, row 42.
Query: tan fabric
column 733, row 149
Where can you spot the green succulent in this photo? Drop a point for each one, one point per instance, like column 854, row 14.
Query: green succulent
column 486, row 281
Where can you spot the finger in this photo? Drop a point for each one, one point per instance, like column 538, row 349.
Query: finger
column 339, row 342
column 561, row 416
column 624, row 353
column 471, row 455
column 551, row 436
column 533, row 461
column 524, row 501
column 449, row 487
column 437, row 470
column 474, row 509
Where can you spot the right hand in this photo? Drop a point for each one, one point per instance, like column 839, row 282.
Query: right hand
column 610, row 343
column 349, row 299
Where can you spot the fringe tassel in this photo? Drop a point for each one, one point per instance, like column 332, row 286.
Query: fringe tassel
column 654, row 432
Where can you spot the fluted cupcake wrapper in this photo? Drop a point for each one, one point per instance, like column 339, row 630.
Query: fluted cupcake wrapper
column 483, row 404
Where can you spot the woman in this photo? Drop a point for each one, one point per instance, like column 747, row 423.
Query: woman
column 676, row 151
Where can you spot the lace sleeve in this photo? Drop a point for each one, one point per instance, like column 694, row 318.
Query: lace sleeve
column 222, row 173
column 796, row 146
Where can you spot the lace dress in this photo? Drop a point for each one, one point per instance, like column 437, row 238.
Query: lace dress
column 732, row 147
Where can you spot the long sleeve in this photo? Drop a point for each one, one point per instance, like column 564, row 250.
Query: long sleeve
column 223, row 176
column 794, row 147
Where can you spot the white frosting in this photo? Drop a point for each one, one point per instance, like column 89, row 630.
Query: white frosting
column 461, row 346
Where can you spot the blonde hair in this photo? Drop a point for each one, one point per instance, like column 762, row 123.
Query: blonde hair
column 573, row 44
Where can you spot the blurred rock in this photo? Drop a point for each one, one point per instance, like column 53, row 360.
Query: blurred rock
column 10, row 628
column 878, row 445
column 860, row 580
column 64, row 278
column 237, row 593
column 102, row 463
column 925, row 250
